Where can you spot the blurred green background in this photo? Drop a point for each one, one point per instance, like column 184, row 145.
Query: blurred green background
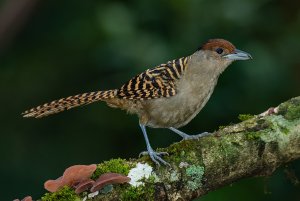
column 52, row 49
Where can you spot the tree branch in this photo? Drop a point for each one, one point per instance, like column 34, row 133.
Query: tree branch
column 254, row 147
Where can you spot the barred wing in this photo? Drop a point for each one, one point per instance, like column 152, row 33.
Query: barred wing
column 154, row 83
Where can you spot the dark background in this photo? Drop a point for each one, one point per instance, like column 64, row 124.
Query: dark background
column 52, row 49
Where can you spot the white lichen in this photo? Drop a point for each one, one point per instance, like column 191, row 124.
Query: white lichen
column 183, row 164
column 91, row 195
column 174, row 176
column 141, row 171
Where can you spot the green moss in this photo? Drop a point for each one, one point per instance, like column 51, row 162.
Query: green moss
column 64, row 194
column 142, row 192
column 290, row 109
column 262, row 124
column 150, row 180
column 253, row 135
column 244, row 117
column 114, row 165
column 190, row 147
column 283, row 129
column 195, row 175
column 183, row 145
column 221, row 127
column 137, row 193
column 230, row 150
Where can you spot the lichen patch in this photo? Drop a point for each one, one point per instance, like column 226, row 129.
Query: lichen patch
column 141, row 171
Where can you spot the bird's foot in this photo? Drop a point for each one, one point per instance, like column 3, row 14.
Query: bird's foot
column 156, row 156
column 195, row 137
column 189, row 137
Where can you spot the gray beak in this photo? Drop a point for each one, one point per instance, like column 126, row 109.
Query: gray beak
column 238, row 55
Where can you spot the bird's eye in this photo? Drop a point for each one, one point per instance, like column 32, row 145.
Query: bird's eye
column 219, row 50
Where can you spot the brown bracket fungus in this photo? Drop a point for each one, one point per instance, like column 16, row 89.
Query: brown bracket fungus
column 27, row 198
column 109, row 178
column 84, row 185
column 72, row 175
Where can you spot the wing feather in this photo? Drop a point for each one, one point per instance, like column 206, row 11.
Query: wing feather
column 156, row 82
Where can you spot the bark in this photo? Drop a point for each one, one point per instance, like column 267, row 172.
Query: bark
column 255, row 147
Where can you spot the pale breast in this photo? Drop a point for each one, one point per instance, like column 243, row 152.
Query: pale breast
column 178, row 110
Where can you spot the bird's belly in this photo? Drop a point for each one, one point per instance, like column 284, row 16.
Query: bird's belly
column 166, row 119
column 175, row 111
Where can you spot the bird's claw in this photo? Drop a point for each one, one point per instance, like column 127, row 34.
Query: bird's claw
column 195, row 137
column 156, row 157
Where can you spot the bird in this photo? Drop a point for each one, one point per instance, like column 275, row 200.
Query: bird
column 168, row 96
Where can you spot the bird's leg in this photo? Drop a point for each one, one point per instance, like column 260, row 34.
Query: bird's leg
column 155, row 156
column 189, row 137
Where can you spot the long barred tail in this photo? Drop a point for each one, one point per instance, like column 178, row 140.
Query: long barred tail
column 68, row 103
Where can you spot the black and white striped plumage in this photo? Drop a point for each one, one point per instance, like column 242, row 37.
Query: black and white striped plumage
column 154, row 83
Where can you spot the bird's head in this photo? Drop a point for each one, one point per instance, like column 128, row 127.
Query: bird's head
column 223, row 50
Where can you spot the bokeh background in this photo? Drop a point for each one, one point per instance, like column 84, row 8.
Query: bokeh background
column 52, row 49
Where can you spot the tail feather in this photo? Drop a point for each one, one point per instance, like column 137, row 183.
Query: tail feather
column 62, row 104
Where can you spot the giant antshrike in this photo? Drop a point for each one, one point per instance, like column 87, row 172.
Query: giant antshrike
column 167, row 96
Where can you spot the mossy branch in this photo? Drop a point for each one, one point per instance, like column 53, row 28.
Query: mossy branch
column 255, row 147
